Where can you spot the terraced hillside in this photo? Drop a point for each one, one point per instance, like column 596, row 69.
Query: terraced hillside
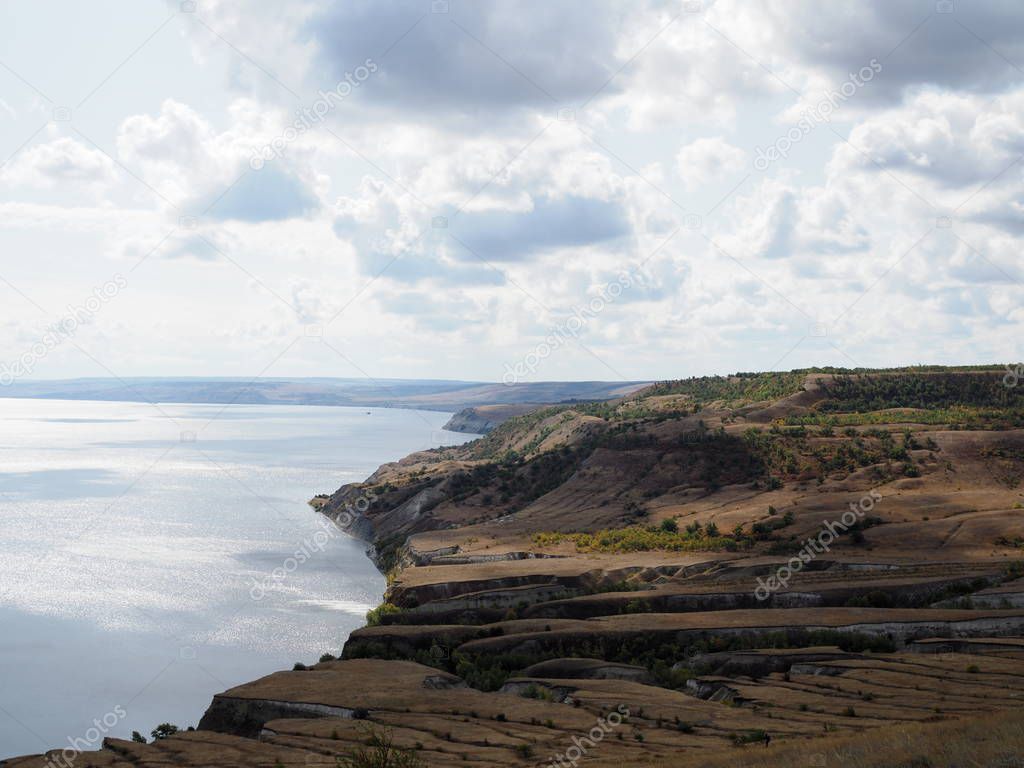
column 666, row 578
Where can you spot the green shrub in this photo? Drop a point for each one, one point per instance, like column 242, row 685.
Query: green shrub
column 163, row 730
column 380, row 752
column 750, row 737
column 375, row 616
column 641, row 539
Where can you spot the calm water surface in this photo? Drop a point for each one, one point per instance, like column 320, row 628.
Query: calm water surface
column 131, row 538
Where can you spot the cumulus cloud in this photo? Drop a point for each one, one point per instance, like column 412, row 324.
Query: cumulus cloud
column 205, row 172
column 61, row 162
column 708, row 160
column 550, row 224
column 448, row 196
column 959, row 152
column 734, row 54
column 198, row 245
column 495, row 202
column 478, row 58
column 977, row 46
column 953, row 139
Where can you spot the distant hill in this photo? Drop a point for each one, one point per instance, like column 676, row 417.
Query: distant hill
column 482, row 419
column 756, row 569
column 428, row 394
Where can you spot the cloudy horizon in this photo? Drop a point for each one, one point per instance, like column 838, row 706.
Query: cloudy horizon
column 456, row 190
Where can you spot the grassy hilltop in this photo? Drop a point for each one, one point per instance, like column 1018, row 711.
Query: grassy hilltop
column 664, row 555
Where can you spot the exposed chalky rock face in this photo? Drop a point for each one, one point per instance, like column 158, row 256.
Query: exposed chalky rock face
column 480, row 420
column 593, row 669
column 809, row 555
column 247, row 717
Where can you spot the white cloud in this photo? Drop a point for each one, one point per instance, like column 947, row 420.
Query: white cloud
column 62, row 161
column 708, row 160
column 460, row 122
column 203, row 172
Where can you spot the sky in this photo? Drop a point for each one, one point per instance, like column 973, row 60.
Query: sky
column 507, row 190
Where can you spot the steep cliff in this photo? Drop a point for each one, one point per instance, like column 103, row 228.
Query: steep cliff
column 803, row 554
column 481, row 419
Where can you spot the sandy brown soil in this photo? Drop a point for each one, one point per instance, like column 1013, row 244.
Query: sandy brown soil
column 499, row 648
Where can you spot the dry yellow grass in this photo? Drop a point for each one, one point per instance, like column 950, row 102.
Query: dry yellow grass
column 995, row 741
column 714, row 672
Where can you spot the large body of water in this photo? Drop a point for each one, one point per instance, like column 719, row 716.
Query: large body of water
column 153, row 556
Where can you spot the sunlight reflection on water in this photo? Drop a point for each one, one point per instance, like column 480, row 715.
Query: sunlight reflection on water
column 132, row 549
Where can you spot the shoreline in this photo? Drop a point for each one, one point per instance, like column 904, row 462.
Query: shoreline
column 242, row 656
column 586, row 557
